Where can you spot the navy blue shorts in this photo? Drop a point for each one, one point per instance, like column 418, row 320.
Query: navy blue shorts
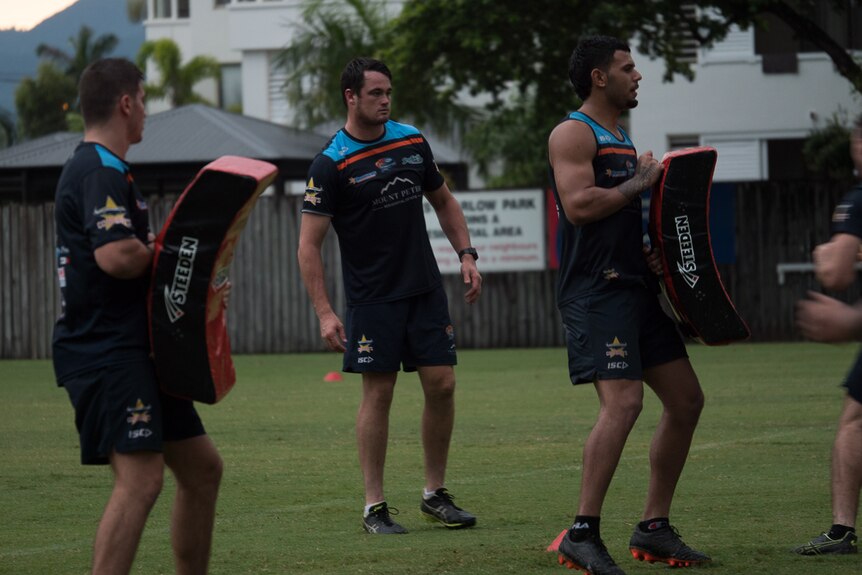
column 120, row 408
column 413, row 332
column 616, row 334
column 853, row 383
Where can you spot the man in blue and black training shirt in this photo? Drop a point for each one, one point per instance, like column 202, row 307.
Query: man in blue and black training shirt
column 368, row 183
column 617, row 335
column 826, row 319
column 101, row 347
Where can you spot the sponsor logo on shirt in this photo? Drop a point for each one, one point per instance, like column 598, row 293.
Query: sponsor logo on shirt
column 385, row 164
column 414, row 159
column 362, row 178
column 111, row 215
column 311, row 193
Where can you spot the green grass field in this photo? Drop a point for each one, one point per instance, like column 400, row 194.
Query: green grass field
column 756, row 483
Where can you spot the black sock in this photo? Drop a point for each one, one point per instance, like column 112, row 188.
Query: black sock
column 653, row 524
column 839, row 531
column 584, row 526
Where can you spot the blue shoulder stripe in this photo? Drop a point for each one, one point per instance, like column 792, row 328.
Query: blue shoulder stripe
column 109, row 160
column 342, row 146
column 600, row 131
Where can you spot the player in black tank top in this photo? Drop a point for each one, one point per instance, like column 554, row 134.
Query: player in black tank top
column 617, row 336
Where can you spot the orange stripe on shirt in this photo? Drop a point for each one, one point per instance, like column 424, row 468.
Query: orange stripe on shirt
column 392, row 146
column 623, row 151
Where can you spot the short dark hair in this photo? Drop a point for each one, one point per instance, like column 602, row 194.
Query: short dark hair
column 592, row 52
column 102, row 85
column 353, row 76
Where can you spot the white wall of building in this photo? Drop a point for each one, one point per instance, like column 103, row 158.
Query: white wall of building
column 733, row 106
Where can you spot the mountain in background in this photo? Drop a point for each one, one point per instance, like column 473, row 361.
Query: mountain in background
column 18, row 49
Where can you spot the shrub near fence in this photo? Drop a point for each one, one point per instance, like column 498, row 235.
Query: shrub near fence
column 270, row 311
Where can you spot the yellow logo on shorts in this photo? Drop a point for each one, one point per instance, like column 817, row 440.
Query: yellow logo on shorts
column 616, row 348
column 365, row 345
column 140, row 413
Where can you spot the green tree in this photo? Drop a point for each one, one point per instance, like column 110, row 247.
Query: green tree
column 43, row 102
column 176, row 80
column 86, row 48
column 8, row 132
column 505, row 47
column 326, row 37
column 513, row 55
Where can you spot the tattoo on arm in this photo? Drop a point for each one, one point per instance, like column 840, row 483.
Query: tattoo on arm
column 638, row 182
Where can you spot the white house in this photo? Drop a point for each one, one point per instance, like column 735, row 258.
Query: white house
column 755, row 97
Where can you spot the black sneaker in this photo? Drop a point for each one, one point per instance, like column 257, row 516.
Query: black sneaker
column 379, row 522
column 440, row 508
column 824, row 544
column 589, row 555
column 664, row 546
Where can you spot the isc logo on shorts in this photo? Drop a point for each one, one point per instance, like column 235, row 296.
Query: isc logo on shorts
column 617, row 365
column 364, row 359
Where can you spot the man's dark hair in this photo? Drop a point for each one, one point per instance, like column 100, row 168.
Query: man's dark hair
column 102, row 85
column 592, row 52
column 353, row 76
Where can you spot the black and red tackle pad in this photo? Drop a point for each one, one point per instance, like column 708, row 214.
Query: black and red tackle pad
column 679, row 227
column 192, row 257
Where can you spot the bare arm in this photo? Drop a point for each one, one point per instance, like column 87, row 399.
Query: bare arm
column 571, row 149
column 125, row 259
column 826, row 319
column 834, row 261
column 455, row 227
column 311, row 235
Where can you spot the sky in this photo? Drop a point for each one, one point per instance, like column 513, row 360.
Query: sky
column 24, row 14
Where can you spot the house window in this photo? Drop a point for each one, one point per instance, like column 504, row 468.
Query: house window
column 230, row 88
column 680, row 142
column 786, row 160
column 182, row 8
column 218, row 3
column 161, row 9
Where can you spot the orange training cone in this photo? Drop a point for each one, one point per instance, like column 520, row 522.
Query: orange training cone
column 332, row 376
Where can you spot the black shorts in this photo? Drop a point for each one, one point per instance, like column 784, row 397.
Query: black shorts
column 413, row 332
column 616, row 334
column 853, row 382
column 120, row 408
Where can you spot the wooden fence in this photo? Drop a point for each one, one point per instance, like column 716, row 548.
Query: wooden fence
column 270, row 311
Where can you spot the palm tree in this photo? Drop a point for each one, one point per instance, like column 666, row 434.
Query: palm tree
column 328, row 36
column 85, row 49
column 176, row 80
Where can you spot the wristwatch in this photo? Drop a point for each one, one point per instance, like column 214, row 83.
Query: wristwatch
column 471, row 251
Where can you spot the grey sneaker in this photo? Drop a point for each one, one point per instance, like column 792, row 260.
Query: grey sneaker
column 379, row 522
column 441, row 508
column 589, row 555
column 824, row 544
column 664, row 546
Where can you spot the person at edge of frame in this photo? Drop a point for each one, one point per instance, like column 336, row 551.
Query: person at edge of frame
column 826, row 319
column 101, row 346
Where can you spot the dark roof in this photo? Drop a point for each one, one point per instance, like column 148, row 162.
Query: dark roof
column 194, row 133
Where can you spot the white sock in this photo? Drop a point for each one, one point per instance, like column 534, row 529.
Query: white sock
column 428, row 494
column 370, row 505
